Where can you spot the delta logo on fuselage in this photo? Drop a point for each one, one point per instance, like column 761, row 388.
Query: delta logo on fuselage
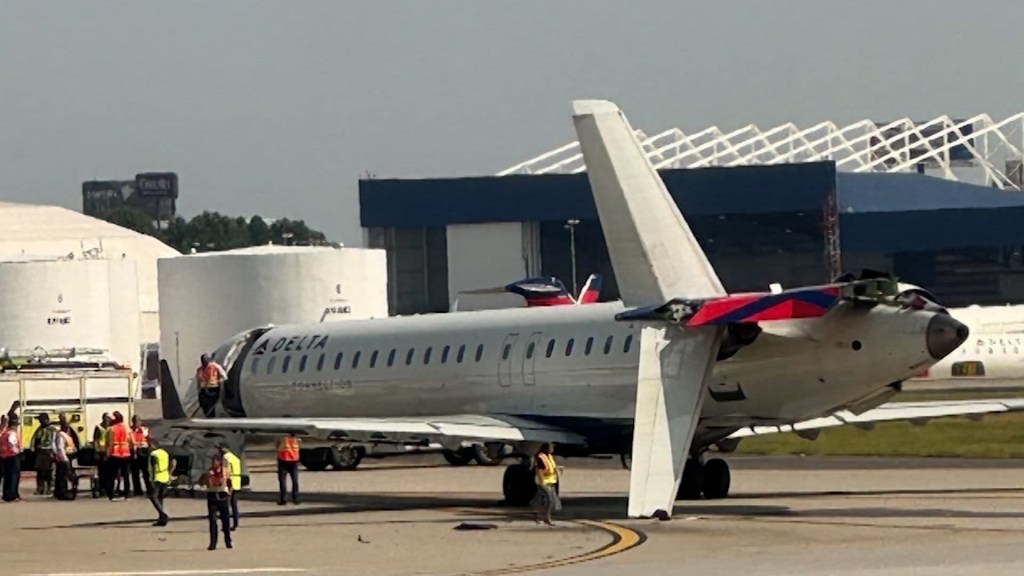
column 293, row 344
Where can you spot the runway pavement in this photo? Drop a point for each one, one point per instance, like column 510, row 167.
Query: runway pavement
column 788, row 515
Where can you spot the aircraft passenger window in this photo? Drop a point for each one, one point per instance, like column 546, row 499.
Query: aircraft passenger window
column 408, row 357
column 589, row 346
column 462, row 352
column 284, row 365
column 337, row 361
column 506, row 351
column 568, row 346
column 529, row 350
column 302, row 363
column 391, row 357
column 355, row 359
column 629, row 342
column 255, row 365
column 608, row 345
column 444, row 354
column 320, row 363
column 270, row 364
column 426, row 355
column 479, row 352
column 373, row 359
column 551, row 348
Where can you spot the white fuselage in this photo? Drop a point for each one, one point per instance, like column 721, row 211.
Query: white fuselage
column 565, row 364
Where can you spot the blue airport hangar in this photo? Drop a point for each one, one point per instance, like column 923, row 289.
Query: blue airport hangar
column 937, row 203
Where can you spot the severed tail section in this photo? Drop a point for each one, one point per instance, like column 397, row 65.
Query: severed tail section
column 656, row 259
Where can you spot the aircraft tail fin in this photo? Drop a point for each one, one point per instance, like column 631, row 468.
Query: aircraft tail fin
column 653, row 251
column 591, row 291
column 170, row 402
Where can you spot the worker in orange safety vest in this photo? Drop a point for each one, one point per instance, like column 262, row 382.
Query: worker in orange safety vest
column 209, row 377
column 119, row 457
column 140, row 458
column 218, row 496
column 288, row 465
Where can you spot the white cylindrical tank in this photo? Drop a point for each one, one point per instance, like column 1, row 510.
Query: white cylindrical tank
column 207, row 298
column 57, row 304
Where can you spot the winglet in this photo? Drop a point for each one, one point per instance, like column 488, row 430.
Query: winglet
column 653, row 251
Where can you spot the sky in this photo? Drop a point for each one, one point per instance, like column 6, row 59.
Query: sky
column 277, row 108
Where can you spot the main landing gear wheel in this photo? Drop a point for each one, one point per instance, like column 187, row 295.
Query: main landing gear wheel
column 711, row 478
column 346, row 457
column 518, row 485
column 461, row 457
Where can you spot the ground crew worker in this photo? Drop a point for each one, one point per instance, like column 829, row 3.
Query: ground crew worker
column 218, row 496
column 99, row 443
column 209, row 377
column 234, row 464
column 140, row 458
column 288, row 465
column 63, row 451
column 161, row 466
column 546, row 475
column 119, row 456
column 10, row 455
column 42, row 446
column 62, row 424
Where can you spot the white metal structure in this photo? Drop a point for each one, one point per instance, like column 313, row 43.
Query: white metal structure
column 944, row 145
column 31, row 230
column 56, row 304
column 206, row 297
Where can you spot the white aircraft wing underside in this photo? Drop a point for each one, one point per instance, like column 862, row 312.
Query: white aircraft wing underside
column 914, row 412
column 449, row 431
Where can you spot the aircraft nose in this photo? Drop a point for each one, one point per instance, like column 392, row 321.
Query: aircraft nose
column 944, row 334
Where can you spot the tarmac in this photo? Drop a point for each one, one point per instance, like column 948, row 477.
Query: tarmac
column 787, row 515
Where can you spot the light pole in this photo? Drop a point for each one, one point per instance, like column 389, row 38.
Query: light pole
column 571, row 225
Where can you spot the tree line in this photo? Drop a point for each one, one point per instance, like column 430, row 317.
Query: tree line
column 211, row 231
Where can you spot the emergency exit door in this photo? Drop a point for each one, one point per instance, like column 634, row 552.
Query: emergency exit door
column 506, row 354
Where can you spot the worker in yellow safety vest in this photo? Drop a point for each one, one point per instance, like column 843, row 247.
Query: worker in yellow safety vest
column 99, row 445
column 546, row 474
column 209, row 377
column 218, row 495
column 288, row 465
column 161, row 467
column 234, row 465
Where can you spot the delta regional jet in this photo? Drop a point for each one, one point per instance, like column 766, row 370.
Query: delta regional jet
column 673, row 369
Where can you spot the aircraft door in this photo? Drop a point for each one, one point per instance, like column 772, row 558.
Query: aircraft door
column 505, row 360
column 530, row 358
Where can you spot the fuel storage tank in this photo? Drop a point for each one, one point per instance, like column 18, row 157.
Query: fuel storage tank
column 56, row 304
column 206, row 298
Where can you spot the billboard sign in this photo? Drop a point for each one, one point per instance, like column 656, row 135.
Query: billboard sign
column 157, row 185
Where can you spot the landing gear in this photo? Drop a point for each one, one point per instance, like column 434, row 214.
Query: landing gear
column 489, row 454
column 460, row 457
column 315, row 459
column 518, row 485
column 711, row 478
column 346, row 457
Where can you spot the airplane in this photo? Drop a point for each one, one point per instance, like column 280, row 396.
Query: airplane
column 541, row 292
column 992, row 357
column 673, row 368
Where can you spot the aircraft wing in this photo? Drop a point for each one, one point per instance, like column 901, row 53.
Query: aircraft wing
column 449, row 431
column 913, row 412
